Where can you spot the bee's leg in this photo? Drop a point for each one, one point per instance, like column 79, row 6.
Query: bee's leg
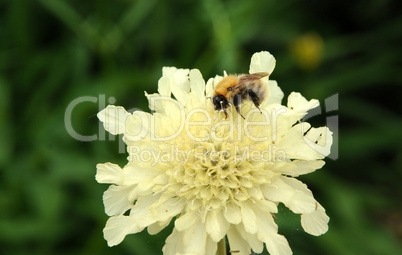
column 254, row 98
column 224, row 104
column 225, row 112
column 237, row 102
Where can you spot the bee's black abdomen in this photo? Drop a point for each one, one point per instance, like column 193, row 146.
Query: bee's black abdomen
column 253, row 96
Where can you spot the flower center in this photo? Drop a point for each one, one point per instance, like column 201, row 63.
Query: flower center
column 227, row 167
column 218, row 173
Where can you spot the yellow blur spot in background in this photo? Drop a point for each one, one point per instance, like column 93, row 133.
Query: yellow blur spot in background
column 308, row 50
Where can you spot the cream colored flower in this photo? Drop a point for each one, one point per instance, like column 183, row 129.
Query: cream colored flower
column 214, row 177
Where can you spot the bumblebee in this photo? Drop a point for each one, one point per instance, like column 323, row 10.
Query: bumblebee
column 234, row 89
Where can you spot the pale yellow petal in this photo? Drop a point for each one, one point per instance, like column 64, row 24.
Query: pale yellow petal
column 316, row 222
column 262, row 62
column 298, row 103
column 164, row 83
column 157, row 227
column 117, row 227
column 180, row 85
column 210, row 247
column 295, row 199
column 142, row 205
column 268, row 233
column 275, row 93
column 281, row 120
column 216, row 225
column 266, row 225
column 164, row 86
column 135, row 174
column 109, row 173
column 197, row 83
column 297, row 145
column 194, row 239
column 141, row 189
column 138, row 126
column 116, row 200
column 156, row 102
column 300, row 167
column 114, row 119
column 232, row 213
column 209, row 88
column 278, row 245
column 267, row 206
column 186, row 220
column 173, row 244
column 320, row 140
column 249, row 219
column 237, row 244
column 168, row 70
column 167, row 207
column 256, row 245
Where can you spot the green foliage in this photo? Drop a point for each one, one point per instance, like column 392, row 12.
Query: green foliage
column 55, row 51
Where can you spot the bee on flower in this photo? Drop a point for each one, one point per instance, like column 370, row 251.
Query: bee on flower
column 216, row 159
column 236, row 88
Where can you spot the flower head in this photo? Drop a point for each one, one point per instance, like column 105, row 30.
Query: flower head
column 214, row 176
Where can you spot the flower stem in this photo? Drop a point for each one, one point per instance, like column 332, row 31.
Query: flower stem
column 221, row 247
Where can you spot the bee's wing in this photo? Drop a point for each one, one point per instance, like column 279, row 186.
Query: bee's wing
column 250, row 77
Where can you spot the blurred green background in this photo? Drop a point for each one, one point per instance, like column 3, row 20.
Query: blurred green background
column 55, row 51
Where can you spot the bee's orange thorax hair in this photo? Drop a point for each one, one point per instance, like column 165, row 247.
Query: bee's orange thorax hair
column 227, row 82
